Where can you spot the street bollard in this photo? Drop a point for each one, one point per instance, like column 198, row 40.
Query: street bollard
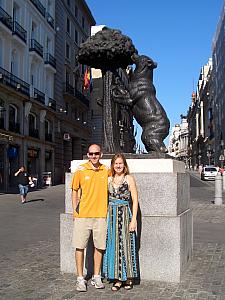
column 218, row 190
column 223, row 181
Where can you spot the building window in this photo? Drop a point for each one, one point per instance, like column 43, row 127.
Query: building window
column 67, row 51
column 12, row 113
column 32, row 121
column 34, row 29
column 76, row 11
column 48, row 135
column 2, row 114
column 47, row 126
column 83, row 22
column 16, row 12
column 1, row 53
column 68, row 2
column 33, row 131
column 14, row 62
column 68, row 26
column 13, row 119
column 50, row 6
column 67, row 77
column 48, row 45
column 76, row 36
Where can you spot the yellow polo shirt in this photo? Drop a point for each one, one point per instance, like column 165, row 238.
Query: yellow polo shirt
column 94, row 190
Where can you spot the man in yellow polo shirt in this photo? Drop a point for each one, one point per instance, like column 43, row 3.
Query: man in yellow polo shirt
column 89, row 196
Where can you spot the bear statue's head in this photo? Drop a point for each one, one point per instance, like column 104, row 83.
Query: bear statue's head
column 143, row 61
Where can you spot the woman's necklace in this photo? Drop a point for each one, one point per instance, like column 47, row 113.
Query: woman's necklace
column 118, row 180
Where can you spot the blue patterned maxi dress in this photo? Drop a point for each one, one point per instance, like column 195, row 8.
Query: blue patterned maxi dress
column 119, row 260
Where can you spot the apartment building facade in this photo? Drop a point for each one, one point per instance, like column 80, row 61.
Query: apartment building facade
column 27, row 105
column 217, row 92
column 73, row 26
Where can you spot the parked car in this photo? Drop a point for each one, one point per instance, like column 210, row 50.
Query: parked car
column 209, row 173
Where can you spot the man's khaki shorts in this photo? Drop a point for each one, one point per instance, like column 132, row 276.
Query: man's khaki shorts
column 82, row 229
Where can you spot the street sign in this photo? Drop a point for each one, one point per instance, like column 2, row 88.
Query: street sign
column 221, row 157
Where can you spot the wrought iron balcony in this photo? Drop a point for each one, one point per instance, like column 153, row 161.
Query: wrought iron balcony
column 14, row 127
column 68, row 88
column 13, row 81
column 81, row 97
column 39, row 6
column 19, row 31
column 39, row 96
column 50, row 59
column 52, row 103
column 50, row 20
column 48, row 137
column 6, row 19
column 34, row 133
column 35, row 46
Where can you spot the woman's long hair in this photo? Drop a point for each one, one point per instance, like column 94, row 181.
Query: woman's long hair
column 114, row 158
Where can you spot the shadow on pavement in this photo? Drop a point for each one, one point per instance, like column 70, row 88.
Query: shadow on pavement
column 34, row 200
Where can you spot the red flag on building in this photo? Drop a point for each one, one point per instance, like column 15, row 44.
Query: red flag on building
column 87, row 79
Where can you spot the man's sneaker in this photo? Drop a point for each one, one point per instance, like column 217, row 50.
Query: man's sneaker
column 97, row 282
column 81, row 285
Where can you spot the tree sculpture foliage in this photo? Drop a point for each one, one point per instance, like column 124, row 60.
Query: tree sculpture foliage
column 108, row 49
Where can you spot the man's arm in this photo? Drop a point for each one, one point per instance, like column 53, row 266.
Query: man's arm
column 75, row 199
column 17, row 173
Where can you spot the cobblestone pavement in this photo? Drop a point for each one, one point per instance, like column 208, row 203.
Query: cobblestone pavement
column 33, row 272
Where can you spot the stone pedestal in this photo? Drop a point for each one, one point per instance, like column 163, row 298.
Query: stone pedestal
column 165, row 230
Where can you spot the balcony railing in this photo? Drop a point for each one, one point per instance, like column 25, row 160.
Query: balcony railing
column 52, row 103
column 68, row 88
column 2, row 123
column 6, row 19
column 39, row 96
column 34, row 133
column 81, row 97
column 50, row 59
column 48, row 137
column 13, row 81
column 19, row 31
column 35, row 46
column 50, row 20
column 14, row 127
column 39, row 6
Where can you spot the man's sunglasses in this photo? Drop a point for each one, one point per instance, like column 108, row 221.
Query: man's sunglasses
column 94, row 153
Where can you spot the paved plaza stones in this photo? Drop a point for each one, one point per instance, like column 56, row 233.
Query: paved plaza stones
column 33, row 272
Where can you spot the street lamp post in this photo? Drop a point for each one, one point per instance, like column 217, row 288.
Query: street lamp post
column 221, row 157
column 199, row 159
column 209, row 154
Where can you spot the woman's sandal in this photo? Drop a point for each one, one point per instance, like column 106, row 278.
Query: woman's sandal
column 116, row 286
column 128, row 285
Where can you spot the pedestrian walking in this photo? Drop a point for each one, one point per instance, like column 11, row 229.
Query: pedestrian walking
column 23, row 180
column 119, row 262
column 89, row 198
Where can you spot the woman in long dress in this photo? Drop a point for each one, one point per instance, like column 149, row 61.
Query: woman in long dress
column 119, row 263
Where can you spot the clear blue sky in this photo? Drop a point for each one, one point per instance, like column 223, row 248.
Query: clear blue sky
column 177, row 34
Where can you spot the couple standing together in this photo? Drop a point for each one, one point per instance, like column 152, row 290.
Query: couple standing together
column 105, row 202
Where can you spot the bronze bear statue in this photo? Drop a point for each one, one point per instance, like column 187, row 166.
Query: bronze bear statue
column 141, row 97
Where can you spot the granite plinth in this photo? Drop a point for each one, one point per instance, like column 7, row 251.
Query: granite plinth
column 67, row 251
column 67, row 258
column 171, row 199
column 165, row 247
column 164, row 222
column 142, row 165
